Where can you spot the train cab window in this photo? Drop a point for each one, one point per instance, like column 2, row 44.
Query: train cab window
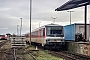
column 54, row 31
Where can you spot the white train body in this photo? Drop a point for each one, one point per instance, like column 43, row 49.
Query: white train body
column 48, row 35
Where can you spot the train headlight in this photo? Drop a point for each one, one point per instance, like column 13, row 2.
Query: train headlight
column 61, row 39
column 47, row 40
column 55, row 40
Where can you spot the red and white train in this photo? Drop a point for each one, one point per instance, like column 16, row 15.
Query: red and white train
column 3, row 37
column 50, row 36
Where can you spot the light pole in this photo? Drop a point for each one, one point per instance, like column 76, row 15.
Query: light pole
column 39, row 24
column 17, row 30
column 30, row 19
column 70, row 15
column 89, row 30
column 21, row 27
column 53, row 19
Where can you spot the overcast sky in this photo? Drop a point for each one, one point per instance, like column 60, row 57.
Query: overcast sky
column 42, row 10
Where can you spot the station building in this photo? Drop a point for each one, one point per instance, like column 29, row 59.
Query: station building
column 71, row 30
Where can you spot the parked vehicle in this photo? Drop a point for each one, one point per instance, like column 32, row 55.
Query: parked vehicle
column 49, row 36
column 3, row 37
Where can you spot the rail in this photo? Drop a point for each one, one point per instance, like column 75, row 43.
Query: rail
column 34, row 58
column 3, row 43
column 69, row 56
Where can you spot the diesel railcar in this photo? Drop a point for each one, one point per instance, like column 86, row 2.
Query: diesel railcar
column 50, row 36
column 3, row 37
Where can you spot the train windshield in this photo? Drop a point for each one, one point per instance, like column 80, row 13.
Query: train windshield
column 54, row 31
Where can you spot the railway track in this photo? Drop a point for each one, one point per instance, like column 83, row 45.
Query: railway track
column 5, row 52
column 18, row 55
column 31, row 54
column 69, row 56
column 3, row 43
column 34, row 58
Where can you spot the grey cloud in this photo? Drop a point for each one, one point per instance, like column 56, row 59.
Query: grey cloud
column 10, row 13
column 42, row 11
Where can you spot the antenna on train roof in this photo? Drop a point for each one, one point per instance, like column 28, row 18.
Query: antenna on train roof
column 51, row 23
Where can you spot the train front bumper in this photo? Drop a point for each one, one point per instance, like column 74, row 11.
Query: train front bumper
column 55, row 43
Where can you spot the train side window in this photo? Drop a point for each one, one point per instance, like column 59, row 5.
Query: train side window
column 43, row 32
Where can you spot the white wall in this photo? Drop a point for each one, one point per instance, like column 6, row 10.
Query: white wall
column 80, row 29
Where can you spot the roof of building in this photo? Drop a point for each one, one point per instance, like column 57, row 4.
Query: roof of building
column 73, row 4
column 77, row 24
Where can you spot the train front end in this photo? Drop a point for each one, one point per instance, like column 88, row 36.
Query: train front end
column 54, row 37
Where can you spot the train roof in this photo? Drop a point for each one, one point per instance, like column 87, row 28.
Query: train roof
column 46, row 26
column 53, row 24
